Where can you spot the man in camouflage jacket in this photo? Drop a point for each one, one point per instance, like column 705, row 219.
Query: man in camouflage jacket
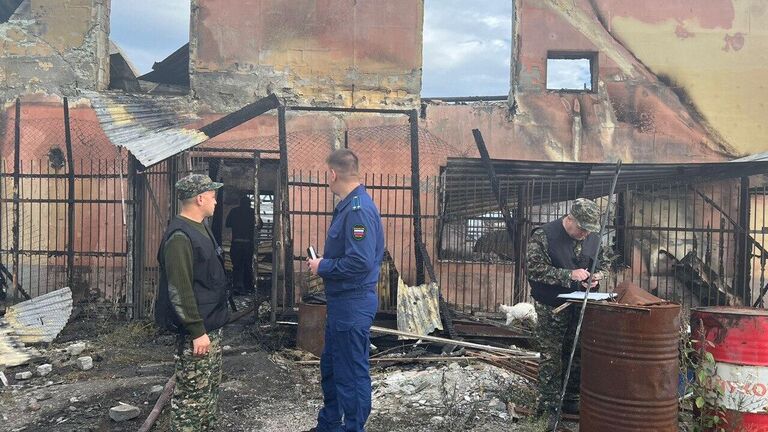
column 558, row 257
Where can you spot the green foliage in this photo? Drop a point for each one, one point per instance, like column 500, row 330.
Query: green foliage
column 700, row 406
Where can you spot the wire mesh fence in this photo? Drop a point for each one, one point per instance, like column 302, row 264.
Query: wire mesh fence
column 64, row 208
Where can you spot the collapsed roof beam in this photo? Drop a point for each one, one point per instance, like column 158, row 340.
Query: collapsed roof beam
column 244, row 114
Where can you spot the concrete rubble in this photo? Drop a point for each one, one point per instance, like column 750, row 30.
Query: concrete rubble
column 44, row 369
column 76, row 349
column 21, row 376
column 85, row 363
column 123, row 412
column 453, row 388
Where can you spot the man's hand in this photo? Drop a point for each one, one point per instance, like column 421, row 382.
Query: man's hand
column 579, row 275
column 596, row 278
column 313, row 264
column 201, row 345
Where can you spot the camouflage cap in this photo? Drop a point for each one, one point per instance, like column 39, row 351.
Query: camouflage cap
column 587, row 214
column 195, row 184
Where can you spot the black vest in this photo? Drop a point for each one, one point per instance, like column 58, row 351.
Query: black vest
column 209, row 281
column 560, row 249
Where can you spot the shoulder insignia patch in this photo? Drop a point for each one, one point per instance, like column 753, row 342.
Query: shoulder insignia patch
column 358, row 232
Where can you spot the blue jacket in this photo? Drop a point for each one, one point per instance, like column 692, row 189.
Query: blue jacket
column 354, row 247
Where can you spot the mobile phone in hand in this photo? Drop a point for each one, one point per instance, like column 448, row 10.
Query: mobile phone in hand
column 311, row 252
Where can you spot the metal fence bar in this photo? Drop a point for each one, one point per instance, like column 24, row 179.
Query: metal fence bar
column 16, row 214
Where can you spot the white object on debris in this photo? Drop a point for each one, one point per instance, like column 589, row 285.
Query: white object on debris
column 520, row 311
column 3, row 379
column 579, row 295
column 123, row 412
column 76, row 349
column 23, row 376
column 85, row 363
column 155, row 391
column 44, row 370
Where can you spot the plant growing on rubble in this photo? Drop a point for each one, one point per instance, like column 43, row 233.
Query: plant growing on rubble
column 701, row 400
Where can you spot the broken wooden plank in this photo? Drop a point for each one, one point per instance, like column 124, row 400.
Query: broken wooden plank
column 517, row 353
column 402, row 360
column 165, row 396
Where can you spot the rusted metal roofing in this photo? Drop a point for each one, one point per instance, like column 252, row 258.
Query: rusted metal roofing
column 418, row 310
column 152, row 128
column 468, row 190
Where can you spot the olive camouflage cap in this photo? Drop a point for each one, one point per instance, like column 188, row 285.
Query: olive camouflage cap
column 195, row 184
column 587, row 214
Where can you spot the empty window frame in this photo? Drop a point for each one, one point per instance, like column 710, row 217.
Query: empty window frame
column 572, row 71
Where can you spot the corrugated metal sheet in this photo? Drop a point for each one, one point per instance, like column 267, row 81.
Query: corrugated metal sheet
column 468, row 190
column 40, row 319
column 152, row 128
column 12, row 351
column 418, row 310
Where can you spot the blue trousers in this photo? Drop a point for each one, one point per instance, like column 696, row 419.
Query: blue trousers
column 344, row 365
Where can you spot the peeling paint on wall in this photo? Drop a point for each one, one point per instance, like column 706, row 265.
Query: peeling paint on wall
column 361, row 53
column 55, row 47
column 718, row 59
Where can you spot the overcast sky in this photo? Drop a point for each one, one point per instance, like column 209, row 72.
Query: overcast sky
column 466, row 42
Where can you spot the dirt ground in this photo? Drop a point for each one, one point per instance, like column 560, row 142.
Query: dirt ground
column 263, row 388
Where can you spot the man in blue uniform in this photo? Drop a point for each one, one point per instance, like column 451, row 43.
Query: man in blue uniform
column 350, row 267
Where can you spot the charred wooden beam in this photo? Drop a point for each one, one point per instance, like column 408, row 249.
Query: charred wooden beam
column 240, row 116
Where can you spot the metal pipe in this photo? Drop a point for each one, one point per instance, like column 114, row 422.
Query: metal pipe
column 348, row 110
column 586, row 293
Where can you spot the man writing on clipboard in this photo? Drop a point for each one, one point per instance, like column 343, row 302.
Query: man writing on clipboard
column 557, row 260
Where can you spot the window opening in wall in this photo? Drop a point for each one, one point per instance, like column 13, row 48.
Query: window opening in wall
column 571, row 71
column 467, row 48
column 149, row 49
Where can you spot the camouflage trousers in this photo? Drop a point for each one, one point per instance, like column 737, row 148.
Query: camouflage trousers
column 554, row 339
column 196, row 396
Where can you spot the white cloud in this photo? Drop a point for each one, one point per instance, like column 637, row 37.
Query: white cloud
column 467, row 47
column 466, row 42
column 148, row 30
column 569, row 74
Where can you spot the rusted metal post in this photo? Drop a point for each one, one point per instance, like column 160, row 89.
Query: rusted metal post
column 278, row 244
column 743, row 245
column 257, row 214
column 70, row 198
column 135, row 243
column 285, row 231
column 413, row 119
column 16, row 180
column 519, row 242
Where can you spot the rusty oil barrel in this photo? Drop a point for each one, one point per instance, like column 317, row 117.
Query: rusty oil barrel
column 310, row 335
column 629, row 368
column 738, row 340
